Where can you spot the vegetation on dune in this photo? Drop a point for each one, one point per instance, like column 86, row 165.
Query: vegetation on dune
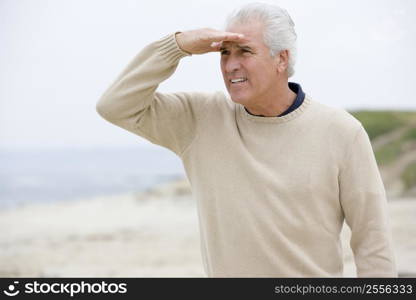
column 408, row 176
column 388, row 153
column 379, row 123
column 391, row 151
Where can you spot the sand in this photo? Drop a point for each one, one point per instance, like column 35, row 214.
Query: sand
column 149, row 235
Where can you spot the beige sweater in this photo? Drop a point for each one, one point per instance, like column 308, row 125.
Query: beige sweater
column 272, row 192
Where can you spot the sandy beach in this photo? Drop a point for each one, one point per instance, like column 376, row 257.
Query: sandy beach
column 153, row 234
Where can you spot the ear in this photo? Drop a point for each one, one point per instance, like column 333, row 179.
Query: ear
column 282, row 60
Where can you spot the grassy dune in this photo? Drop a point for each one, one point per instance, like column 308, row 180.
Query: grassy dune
column 393, row 136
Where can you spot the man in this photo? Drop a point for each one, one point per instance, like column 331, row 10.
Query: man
column 274, row 173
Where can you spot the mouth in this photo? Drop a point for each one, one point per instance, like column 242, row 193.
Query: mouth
column 237, row 81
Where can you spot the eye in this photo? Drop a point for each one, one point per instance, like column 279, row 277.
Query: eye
column 225, row 52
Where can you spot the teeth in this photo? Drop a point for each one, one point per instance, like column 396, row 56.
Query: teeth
column 238, row 80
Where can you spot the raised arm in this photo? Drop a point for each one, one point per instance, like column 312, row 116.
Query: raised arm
column 132, row 102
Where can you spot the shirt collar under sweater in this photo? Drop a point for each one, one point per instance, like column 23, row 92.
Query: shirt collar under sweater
column 301, row 101
column 300, row 96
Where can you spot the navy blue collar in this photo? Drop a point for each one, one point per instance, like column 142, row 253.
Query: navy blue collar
column 300, row 96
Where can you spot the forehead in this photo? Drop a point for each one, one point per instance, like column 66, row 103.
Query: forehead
column 238, row 45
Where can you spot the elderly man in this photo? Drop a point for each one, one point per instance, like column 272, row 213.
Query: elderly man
column 274, row 173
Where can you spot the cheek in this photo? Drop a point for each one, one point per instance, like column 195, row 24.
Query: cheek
column 265, row 74
column 257, row 67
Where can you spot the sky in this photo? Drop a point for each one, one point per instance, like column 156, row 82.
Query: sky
column 58, row 57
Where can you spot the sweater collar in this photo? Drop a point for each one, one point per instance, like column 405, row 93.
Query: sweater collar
column 296, row 108
column 300, row 96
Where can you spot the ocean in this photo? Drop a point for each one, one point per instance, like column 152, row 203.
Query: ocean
column 28, row 176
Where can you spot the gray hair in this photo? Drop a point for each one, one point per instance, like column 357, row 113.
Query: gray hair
column 279, row 33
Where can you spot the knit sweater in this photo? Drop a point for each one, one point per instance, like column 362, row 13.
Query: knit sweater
column 272, row 193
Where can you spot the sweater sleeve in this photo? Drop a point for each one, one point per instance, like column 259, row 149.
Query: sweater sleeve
column 132, row 102
column 364, row 203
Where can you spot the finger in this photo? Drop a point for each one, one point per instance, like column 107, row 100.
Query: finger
column 216, row 46
column 230, row 37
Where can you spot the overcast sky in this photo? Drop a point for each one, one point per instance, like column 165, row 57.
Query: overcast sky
column 57, row 57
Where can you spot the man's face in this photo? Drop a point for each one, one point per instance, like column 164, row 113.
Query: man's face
column 249, row 71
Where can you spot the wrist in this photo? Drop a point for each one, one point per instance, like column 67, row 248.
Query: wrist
column 179, row 42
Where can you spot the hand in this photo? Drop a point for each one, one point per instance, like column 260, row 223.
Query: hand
column 205, row 40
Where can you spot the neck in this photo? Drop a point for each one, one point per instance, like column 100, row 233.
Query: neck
column 274, row 103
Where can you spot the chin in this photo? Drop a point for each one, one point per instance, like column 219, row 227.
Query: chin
column 241, row 99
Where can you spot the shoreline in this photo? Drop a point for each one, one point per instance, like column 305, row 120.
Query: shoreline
column 151, row 234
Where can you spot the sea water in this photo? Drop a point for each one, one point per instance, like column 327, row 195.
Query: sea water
column 40, row 175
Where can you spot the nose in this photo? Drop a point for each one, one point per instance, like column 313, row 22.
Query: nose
column 232, row 64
